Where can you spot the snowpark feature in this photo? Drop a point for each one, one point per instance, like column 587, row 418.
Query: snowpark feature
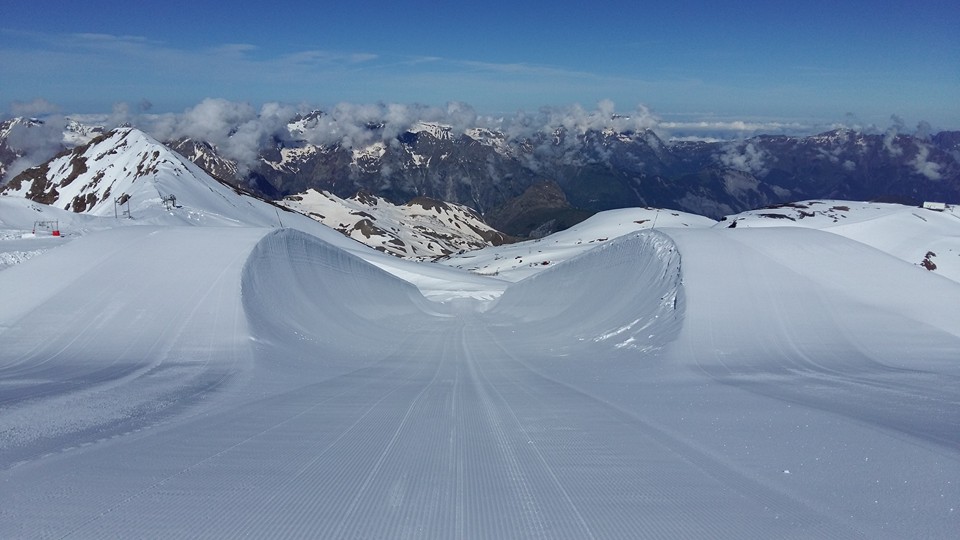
column 238, row 379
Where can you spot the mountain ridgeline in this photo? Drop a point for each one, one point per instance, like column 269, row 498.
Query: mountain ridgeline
column 533, row 185
column 540, row 184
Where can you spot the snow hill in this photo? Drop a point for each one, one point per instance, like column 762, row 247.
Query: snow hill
column 924, row 237
column 514, row 262
column 200, row 371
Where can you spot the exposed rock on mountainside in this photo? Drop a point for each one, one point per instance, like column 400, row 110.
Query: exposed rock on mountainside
column 421, row 229
column 603, row 169
column 505, row 177
column 126, row 172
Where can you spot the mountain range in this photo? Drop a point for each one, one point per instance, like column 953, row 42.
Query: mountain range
column 126, row 173
column 533, row 184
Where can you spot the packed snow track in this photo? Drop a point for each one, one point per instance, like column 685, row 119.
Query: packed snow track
column 206, row 382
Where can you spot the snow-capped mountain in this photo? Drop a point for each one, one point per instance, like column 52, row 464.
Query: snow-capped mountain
column 604, row 169
column 127, row 173
column 421, row 229
column 429, row 161
column 14, row 135
column 25, row 142
column 568, row 172
column 206, row 156
column 77, row 132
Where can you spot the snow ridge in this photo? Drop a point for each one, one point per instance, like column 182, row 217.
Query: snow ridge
column 638, row 276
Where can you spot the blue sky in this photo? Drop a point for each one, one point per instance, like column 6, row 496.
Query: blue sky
column 811, row 61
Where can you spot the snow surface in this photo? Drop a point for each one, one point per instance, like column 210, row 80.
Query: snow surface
column 514, row 262
column 909, row 233
column 176, row 380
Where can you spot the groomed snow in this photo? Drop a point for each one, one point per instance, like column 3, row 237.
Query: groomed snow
column 694, row 382
column 929, row 238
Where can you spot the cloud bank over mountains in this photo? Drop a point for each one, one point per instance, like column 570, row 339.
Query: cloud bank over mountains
column 240, row 129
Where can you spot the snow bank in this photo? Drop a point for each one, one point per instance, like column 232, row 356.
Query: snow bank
column 304, row 297
column 626, row 292
column 513, row 262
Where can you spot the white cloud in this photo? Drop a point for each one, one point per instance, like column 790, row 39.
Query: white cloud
column 236, row 128
column 738, row 126
column 747, row 157
column 929, row 169
column 890, row 137
column 35, row 143
column 576, row 120
column 358, row 125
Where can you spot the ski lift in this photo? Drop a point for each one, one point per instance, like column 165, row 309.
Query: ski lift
column 121, row 201
column 52, row 226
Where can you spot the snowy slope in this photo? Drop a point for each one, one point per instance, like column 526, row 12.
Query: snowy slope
column 514, row 262
column 808, row 295
column 421, row 229
column 117, row 327
column 923, row 237
column 126, row 164
column 21, row 239
column 303, row 295
column 682, row 382
column 811, row 372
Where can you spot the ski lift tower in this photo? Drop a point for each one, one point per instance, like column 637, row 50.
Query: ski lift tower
column 121, row 201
